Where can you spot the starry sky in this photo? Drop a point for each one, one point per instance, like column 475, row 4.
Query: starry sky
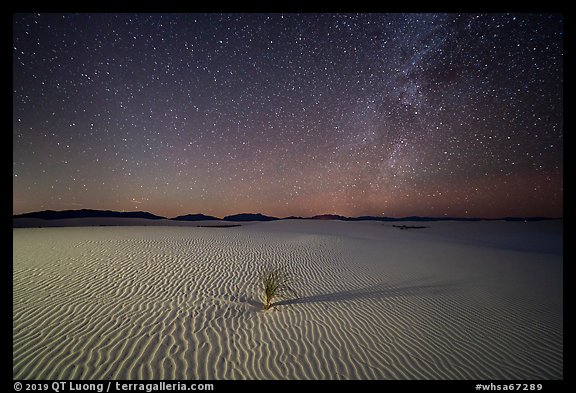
column 289, row 114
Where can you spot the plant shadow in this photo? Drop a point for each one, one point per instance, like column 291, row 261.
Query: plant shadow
column 376, row 292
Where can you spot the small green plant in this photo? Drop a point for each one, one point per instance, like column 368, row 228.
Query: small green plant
column 277, row 283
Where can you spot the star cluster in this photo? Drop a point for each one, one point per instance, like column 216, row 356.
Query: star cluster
column 289, row 114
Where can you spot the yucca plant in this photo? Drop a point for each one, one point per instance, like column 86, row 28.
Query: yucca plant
column 277, row 283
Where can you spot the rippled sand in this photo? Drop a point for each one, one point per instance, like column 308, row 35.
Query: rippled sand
column 454, row 301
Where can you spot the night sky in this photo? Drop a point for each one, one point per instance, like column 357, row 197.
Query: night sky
column 289, row 114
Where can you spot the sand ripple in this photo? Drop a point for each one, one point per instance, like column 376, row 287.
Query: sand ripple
column 183, row 303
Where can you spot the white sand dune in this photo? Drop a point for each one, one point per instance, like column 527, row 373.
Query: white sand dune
column 457, row 300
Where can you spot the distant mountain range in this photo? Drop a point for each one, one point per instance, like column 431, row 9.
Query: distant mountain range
column 235, row 217
column 249, row 217
column 194, row 217
column 88, row 213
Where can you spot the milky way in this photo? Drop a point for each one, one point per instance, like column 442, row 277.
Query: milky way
column 289, row 114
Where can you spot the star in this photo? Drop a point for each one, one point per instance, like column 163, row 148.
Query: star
column 292, row 114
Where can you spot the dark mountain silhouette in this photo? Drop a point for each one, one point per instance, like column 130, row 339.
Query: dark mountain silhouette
column 249, row 217
column 85, row 213
column 195, row 217
column 329, row 217
column 88, row 213
column 371, row 218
